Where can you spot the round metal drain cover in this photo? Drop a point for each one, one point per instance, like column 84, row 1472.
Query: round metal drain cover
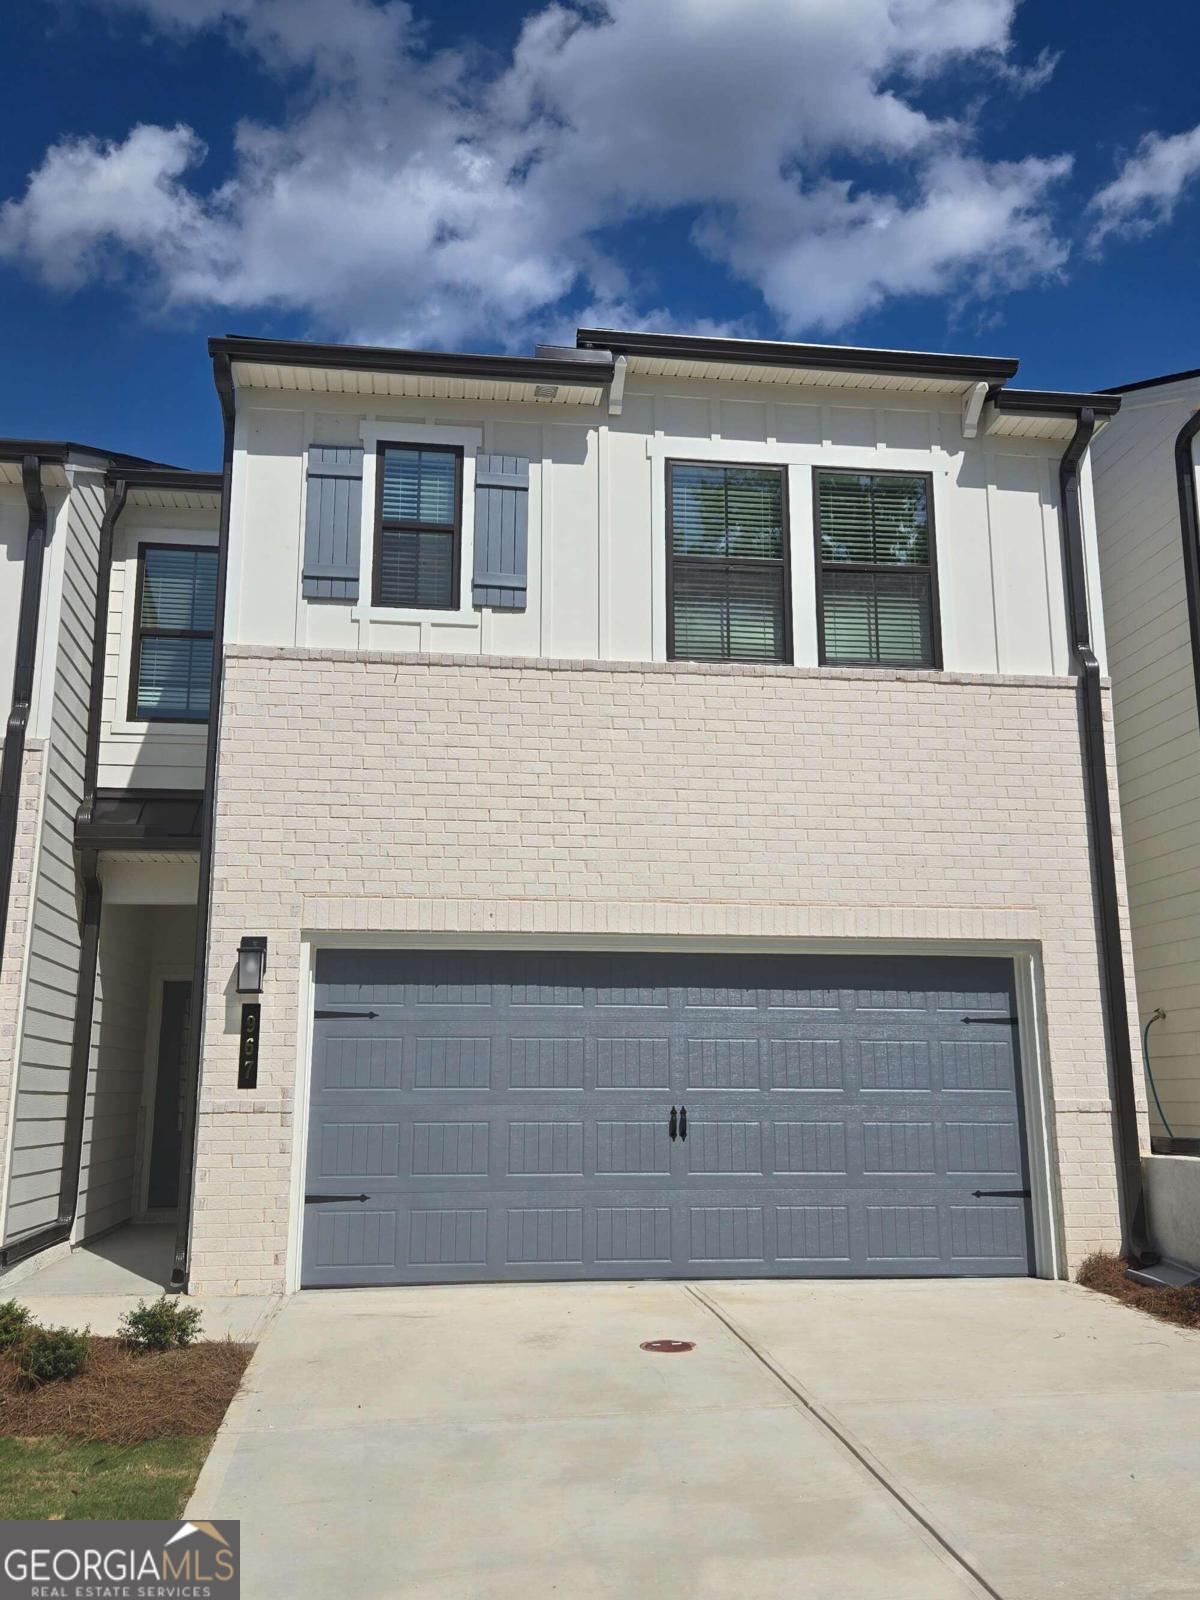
column 669, row 1347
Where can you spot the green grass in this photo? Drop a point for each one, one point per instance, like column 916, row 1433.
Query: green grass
column 80, row 1478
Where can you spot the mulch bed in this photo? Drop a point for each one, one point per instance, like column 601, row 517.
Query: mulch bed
column 1106, row 1274
column 123, row 1398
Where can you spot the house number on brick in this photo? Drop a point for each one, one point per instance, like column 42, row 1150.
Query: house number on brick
column 248, row 1049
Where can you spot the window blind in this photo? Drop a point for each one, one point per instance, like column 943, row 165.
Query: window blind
column 728, row 576
column 418, row 532
column 876, row 544
column 177, row 608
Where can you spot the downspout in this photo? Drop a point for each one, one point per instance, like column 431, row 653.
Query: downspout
column 1138, row 1249
column 88, row 876
column 22, row 696
column 1189, row 528
column 223, row 379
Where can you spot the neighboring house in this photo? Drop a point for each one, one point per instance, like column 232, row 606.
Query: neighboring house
column 1145, row 472
column 99, row 828
column 656, row 822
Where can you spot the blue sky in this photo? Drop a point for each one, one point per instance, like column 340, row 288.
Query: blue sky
column 1018, row 179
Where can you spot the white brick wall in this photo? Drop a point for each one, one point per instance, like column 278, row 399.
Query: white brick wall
column 387, row 793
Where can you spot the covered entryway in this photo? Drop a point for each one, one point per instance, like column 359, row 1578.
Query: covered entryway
column 488, row 1115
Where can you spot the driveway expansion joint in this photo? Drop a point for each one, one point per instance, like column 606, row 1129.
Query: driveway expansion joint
column 846, row 1440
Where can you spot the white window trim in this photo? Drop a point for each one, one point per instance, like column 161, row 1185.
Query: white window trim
column 399, row 431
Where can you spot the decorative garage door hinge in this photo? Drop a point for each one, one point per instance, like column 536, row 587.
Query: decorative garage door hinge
column 320, row 1199
column 319, row 1014
column 1000, row 1194
column 1005, row 1022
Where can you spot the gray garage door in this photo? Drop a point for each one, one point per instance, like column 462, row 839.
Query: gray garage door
column 520, row 1115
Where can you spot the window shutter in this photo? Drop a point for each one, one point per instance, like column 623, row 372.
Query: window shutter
column 334, row 520
column 501, row 578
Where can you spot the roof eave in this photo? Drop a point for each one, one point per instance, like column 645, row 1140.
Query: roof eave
column 417, row 363
column 1054, row 402
column 167, row 478
column 817, row 357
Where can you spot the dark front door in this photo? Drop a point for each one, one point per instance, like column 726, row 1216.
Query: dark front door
column 522, row 1115
column 163, row 1188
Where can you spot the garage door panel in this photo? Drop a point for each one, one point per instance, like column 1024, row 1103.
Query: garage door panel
column 507, row 1116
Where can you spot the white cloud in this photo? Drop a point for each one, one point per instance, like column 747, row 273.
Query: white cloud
column 412, row 197
column 1147, row 189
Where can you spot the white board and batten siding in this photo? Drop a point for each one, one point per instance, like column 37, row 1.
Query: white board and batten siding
column 1157, row 733
column 59, row 716
column 136, row 754
column 597, row 520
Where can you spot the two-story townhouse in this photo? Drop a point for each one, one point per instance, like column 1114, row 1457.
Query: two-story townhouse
column 654, row 820
column 661, row 822
column 1149, row 533
column 99, row 807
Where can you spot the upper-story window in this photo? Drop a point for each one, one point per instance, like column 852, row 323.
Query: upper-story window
column 727, row 563
column 877, row 589
column 418, row 526
column 175, row 607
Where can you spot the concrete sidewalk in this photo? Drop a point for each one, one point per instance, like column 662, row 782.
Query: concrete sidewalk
column 95, row 1284
column 843, row 1441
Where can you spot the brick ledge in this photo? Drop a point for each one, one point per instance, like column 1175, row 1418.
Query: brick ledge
column 673, row 669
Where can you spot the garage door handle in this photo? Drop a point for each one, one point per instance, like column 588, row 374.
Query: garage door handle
column 1000, row 1194
column 320, row 1199
column 673, row 1124
column 683, row 1122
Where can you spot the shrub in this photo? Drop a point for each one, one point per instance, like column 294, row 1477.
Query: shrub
column 166, row 1324
column 15, row 1324
column 48, row 1355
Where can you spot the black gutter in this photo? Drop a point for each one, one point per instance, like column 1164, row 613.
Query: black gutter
column 13, row 756
column 431, row 363
column 223, row 379
column 1189, row 532
column 58, row 451
column 91, row 895
column 168, row 478
column 1054, row 402
column 1137, row 1247
column 823, row 357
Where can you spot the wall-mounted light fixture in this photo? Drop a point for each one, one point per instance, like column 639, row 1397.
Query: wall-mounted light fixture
column 252, row 963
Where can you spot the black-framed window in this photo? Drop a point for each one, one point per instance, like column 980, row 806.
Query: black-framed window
column 174, row 610
column 418, row 526
column 877, row 584
column 727, row 563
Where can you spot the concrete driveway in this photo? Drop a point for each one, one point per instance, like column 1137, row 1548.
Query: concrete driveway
column 870, row 1441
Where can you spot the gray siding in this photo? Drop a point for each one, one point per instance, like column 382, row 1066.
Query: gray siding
column 44, row 1051
column 1157, row 734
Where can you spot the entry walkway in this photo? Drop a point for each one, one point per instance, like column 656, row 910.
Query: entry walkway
column 94, row 1285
